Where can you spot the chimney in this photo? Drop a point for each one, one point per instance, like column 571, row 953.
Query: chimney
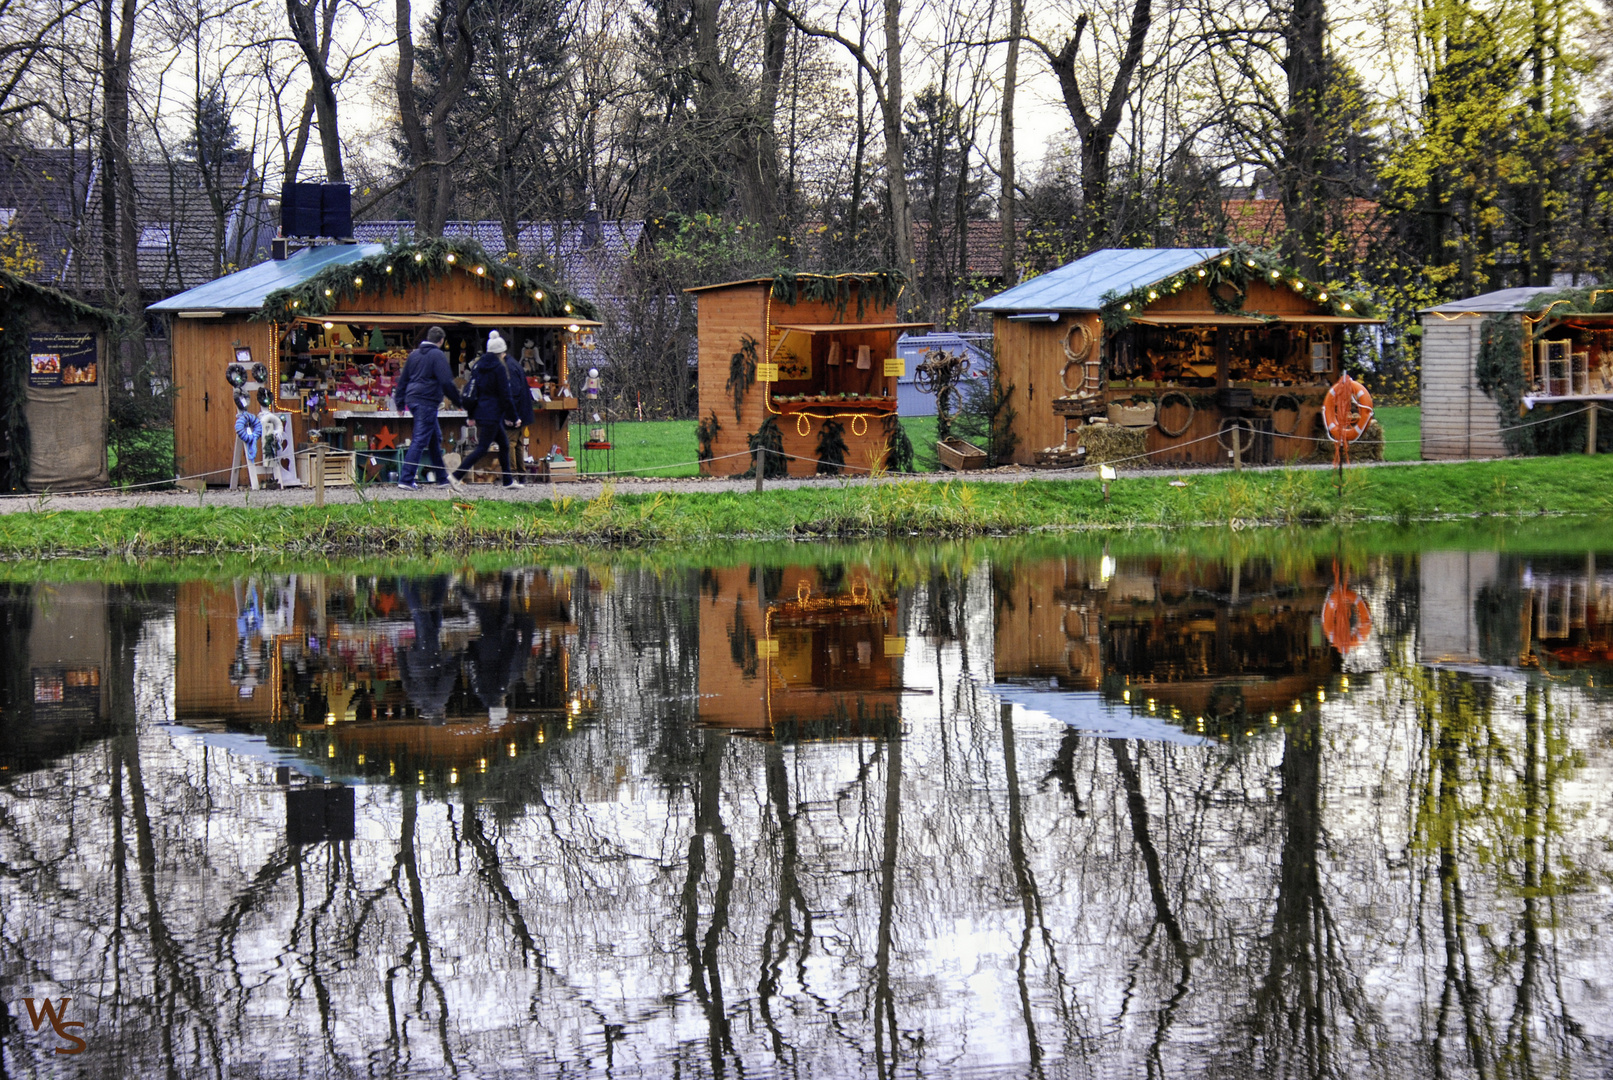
column 593, row 233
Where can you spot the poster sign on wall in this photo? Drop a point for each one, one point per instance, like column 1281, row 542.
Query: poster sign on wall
column 61, row 360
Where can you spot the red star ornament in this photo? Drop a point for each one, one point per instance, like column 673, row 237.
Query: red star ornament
column 386, row 439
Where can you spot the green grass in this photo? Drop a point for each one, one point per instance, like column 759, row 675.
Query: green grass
column 642, row 446
column 1574, row 484
column 1402, row 431
column 649, row 446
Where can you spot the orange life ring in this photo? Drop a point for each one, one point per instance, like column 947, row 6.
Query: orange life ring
column 1346, row 619
column 1347, row 410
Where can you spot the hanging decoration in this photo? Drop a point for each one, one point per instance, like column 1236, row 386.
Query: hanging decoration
column 882, row 288
column 1226, row 277
column 411, row 262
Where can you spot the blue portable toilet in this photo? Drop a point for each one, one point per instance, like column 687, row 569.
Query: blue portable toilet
column 915, row 348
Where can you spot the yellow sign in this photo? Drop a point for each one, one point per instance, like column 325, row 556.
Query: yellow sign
column 895, row 646
column 895, row 365
column 767, row 649
column 766, row 372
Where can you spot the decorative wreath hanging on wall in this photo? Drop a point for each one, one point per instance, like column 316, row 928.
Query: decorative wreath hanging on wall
column 1192, row 411
column 1076, row 355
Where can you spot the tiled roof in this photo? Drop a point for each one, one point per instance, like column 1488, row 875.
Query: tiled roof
column 57, row 195
column 1260, row 222
column 984, row 239
column 1083, row 284
column 558, row 249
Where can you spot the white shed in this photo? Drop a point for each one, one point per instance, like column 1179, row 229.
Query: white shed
column 1459, row 420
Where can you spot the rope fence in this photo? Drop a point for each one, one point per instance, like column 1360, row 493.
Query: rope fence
column 844, row 467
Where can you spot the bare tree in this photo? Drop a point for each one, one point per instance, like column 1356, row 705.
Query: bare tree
column 313, row 25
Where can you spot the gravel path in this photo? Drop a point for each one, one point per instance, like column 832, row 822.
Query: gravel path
column 580, row 489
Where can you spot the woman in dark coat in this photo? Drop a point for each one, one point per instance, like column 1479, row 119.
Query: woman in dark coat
column 521, row 396
column 494, row 411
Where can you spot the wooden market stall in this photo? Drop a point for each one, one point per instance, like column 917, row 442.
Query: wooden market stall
column 1194, row 348
column 54, row 404
column 328, row 329
column 798, row 652
column 1209, row 649
column 806, row 360
column 333, row 668
column 1552, row 357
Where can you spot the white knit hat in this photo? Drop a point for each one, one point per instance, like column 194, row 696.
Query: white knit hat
column 495, row 343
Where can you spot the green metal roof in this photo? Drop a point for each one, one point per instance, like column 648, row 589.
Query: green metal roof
column 1084, row 284
column 245, row 290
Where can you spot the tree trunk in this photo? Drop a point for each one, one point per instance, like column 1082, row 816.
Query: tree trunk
column 313, row 38
column 119, row 231
column 895, row 159
column 1016, row 27
column 1304, row 195
column 1097, row 132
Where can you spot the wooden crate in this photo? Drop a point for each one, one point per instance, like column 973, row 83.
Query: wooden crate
column 1078, row 406
column 1059, row 459
column 960, row 456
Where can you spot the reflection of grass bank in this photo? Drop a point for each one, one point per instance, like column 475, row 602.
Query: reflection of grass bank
column 1566, row 485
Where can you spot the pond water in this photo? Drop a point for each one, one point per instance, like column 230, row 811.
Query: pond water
column 1293, row 807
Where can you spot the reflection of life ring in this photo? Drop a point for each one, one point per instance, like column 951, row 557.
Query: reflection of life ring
column 1345, row 618
column 1159, row 415
column 1346, row 411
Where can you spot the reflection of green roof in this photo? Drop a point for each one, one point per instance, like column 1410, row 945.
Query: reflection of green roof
column 246, row 290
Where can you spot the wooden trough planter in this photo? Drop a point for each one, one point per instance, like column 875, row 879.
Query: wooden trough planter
column 960, row 456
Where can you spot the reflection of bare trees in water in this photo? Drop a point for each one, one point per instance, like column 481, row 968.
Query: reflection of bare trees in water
column 1490, row 795
column 645, row 895
column 1310, row 1015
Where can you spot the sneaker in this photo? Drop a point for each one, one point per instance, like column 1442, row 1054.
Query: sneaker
column 456, row 486
column 515, row 484
column 409, row 486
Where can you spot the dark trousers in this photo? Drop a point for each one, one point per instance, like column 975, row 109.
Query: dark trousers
column 427, row 439
column 488, row 433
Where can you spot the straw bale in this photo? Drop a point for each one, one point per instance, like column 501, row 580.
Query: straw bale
column 1111, row 442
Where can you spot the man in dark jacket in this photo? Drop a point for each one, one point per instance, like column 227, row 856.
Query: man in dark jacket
column 425, row 381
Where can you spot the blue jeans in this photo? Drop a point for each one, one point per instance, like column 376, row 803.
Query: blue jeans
column 427, row 439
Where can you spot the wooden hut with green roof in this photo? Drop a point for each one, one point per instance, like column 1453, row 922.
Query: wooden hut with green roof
column 805, row 365
column 1195, row 349
column 330, row 326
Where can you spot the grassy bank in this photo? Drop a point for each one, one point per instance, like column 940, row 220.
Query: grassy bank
column 1513, row 488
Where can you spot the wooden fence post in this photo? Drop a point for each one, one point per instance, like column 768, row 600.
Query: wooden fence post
column 319, row 475
column 761, row 453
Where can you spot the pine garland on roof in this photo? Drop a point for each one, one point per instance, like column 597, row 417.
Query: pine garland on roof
column 1227, row 277
column 417, row 261
column 882, row 288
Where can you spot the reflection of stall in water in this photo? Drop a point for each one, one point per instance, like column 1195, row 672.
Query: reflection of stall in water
column 1505, row 611
column 427, row 679
column 55, row 671
column 1211, row 648
column 800, row 651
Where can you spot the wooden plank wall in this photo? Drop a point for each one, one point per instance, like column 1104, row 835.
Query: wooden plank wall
column 1031, row 357
column 1458, row 419
column 204, row 414
column 725, row 316
column 1039, row 629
